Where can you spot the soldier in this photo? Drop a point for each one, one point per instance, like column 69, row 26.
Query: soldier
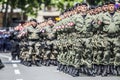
column 111, row 22
column 85, row 22
column 15, row 41
column 49, row 45
column 105, row 7
column 15, row 50
column 33, row 33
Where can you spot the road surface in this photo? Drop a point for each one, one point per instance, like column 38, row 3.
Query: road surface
column 15, row 71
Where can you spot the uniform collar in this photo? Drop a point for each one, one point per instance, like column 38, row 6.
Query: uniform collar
column 108, row 14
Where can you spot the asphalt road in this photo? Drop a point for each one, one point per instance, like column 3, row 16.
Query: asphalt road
column 16, row 71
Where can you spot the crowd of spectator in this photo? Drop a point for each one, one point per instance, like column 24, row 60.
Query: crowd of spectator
column 5, row 42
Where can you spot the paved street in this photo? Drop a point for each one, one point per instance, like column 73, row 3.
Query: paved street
column 16, row 71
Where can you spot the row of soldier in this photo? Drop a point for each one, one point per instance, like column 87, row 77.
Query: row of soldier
column 98, row 35
column 83, row 41
column 35, row 44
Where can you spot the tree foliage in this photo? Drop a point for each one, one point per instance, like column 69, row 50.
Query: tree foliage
column 96, row 2
column 27, row 6
column 32, row 6
column 62, row 4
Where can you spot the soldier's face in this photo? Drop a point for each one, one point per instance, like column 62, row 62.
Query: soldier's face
column 74, row 11
column 111, row 7
column 83, row 8
column 99, row 9
column 70, row 13
column 105, row 8
column 91, row 11
column 50, row 22
column 65, row 15
column 95, row 11
column 78, row 8
column 33, row 23
column 61, row 16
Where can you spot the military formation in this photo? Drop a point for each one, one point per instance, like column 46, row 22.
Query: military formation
column 36, row 44
column 83, row 41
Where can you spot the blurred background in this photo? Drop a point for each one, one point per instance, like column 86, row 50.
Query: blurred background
column 13, row 11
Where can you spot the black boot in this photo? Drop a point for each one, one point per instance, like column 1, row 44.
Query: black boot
column 70, row 70
column 29, row 63
column 25, row 63
column 95, row 69
column 48, row 62
column 45, row 63
column 113, row 70
column 13, row 56
column 65, row 69
column 41, row 61
column 58, row 67
column 21, row 61
column 90, row 72
column 37, row 63
column 55, row 63
column 75, row 72
column 108, row 69
column 62, row 67
column 118, row 69
column 81, row 70
column 85, row 70
column 99, row 70
column 105, row 71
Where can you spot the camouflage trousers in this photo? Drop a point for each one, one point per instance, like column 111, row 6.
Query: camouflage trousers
column 34, row 47
column 106, row 50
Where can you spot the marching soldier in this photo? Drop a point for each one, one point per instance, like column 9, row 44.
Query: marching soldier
column 111, row 22
column 33, row 37
column 82, row 41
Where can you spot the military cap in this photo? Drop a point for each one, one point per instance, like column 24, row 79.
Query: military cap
column 111, row 2
column 62, row 13
column 21, row 21
column 69, row 9
column 92, row 7
column 78, row 4
column 33, row 20
column 96, row 6
column 99, row 5
column 72, row 8
column 84, row 4
column 106, row 3
column 65, row 10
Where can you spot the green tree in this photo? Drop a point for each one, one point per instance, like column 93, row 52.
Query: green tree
column 96, row 2
column 64, row 4
column 27, row 6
